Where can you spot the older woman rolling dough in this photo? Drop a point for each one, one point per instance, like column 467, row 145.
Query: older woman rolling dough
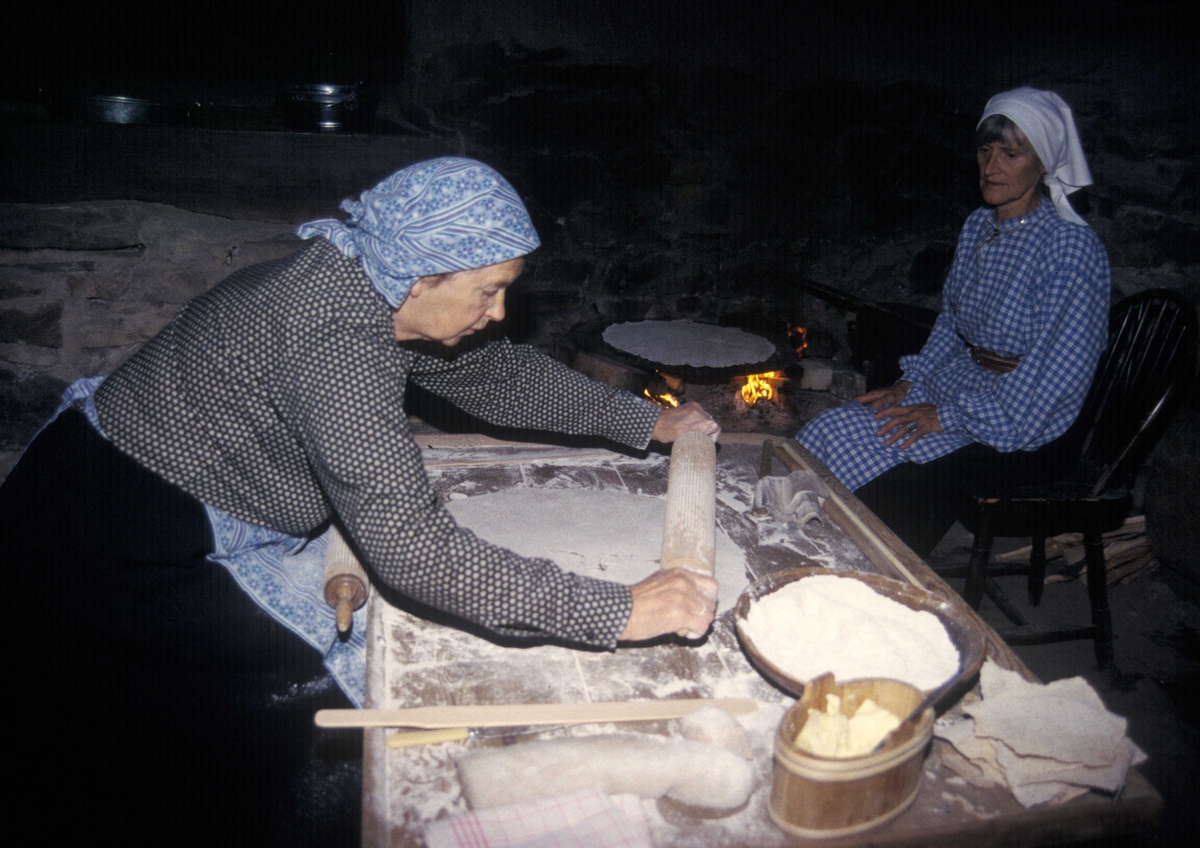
column 269, row 407
column 990, row 398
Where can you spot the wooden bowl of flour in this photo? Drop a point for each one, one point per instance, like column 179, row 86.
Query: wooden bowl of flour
column 964, row 634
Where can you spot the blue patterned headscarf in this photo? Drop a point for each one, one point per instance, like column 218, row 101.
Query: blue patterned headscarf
column 434, row 217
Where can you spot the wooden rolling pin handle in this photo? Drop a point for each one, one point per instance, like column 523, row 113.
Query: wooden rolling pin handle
column 347, row 588
column 345, row 581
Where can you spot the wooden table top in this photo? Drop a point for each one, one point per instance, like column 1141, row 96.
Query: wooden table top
column 415, row 661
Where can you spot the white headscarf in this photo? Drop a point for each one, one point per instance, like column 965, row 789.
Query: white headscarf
column 1047, row 122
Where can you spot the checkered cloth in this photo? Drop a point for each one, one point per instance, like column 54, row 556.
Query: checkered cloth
column 1036, row 288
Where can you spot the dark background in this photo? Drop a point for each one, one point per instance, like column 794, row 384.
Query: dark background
column 668, row 151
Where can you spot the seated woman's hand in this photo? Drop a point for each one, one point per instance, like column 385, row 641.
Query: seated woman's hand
column 672, row 423
column 880, row 398
column 672, row 601
column 912, row 422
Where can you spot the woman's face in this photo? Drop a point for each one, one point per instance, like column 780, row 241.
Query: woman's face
column 446, row 309
column 1009, row 175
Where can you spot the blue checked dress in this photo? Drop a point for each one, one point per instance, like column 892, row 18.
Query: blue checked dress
column 1035, row 287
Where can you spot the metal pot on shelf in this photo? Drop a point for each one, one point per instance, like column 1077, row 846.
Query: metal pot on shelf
column 119, row 109
column 327, row 107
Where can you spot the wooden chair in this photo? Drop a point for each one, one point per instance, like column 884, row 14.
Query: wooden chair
column 1142, row 378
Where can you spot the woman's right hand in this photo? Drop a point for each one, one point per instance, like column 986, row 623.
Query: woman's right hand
column 672, row 601
column 879, row 398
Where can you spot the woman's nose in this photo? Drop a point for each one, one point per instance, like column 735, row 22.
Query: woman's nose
column 496, row 311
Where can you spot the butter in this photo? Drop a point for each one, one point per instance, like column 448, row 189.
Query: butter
column 831, row 734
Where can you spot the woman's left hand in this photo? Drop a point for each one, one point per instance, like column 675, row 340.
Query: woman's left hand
column 691, row 416
column 912, row 422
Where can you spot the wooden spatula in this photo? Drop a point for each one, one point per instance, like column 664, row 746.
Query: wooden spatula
column 515, row 715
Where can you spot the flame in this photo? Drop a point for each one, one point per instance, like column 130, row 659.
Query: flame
column 665, row 399
column 799, row 337
column 757, row 388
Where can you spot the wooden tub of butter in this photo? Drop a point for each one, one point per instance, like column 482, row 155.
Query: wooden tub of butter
column 853, row 788
column 887, row 642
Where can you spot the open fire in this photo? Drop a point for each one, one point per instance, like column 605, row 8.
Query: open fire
column 666, row 399
column 758, row 388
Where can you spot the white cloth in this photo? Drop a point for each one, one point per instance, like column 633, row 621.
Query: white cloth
column 1048, row 123
column 584, row 819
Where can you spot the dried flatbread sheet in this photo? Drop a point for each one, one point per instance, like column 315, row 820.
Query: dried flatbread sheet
column 688, row 343
column 995, row 681
column 978, row 773
column 1065, row 721
column 1032, row 794
column 961, row 734
column 1022, row 771
column 1051, row 743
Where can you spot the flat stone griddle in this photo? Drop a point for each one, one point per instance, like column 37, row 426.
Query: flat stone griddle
column 590, row 339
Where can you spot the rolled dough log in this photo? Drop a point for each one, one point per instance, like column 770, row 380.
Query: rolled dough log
column 623, row 763
column 713, row 726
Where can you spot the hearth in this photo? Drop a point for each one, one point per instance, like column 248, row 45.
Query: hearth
column 777, row 395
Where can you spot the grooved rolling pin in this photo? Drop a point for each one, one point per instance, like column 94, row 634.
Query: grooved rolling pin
column 690, row 525
column 345, row 581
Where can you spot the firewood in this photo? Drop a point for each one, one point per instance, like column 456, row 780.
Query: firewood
column 1055, row 545
column 1130, row 568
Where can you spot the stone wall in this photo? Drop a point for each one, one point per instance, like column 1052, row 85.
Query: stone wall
column 664, row 172
column 83, row 285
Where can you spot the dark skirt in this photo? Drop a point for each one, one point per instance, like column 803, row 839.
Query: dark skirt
column 920, row 503
column 161, row 704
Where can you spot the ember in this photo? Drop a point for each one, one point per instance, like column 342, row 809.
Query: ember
column 798, row 336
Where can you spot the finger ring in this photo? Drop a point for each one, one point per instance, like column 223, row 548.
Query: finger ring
column 910, row 426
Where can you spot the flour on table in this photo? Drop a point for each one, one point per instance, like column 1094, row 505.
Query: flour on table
column 687, row 343
column 826, row 623
column 605, row 533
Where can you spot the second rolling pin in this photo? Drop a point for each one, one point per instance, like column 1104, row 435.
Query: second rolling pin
column 345, row 581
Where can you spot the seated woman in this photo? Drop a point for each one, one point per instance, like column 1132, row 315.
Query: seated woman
column 1024, row 319
column 269, row 407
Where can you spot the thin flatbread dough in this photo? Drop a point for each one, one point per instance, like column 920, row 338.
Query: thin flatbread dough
column 605, row 533
column 688, row 343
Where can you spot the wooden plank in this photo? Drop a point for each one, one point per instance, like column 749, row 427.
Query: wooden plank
column 945, row 814
column 1089, row 817
column 376, row 818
